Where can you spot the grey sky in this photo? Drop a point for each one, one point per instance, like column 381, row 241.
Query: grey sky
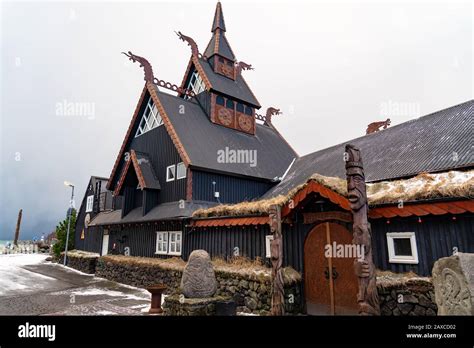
column 332, row 67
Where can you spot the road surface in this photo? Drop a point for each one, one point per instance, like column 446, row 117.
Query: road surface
column 31, row 286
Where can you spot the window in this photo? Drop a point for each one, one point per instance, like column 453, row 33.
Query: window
column 90, row 203
column 151, row 119
column 161, row 243
column 175, row 243
column 248, row 110
column 229, row 104
column 221, row 59
column 180, row 170
column 168, row 243
column 170, row 173
column 240, row 107
column 229, row 63
column 196, row 84
column 268, row 241
column 220, row 100
column 402, row 247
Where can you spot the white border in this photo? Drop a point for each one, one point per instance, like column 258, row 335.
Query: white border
column 392, row 258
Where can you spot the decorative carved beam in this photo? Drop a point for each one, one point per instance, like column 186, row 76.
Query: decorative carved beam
column 367, row 296
column 192, row 43
column 309, row 218
column 376, row 126
column 267, row 119
column 276, row 252
column 242, row 66
column 149, row 77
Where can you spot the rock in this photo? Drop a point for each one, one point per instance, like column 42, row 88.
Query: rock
column 391, row 304
column 419, row 310
column 199, row 279
column 386, row 311
column 397, row 311
column 423, row 301
column 250, row 303
column 453, row 280
column 253, row 294
column 430, row 312
column 405, row 308
column 49, row 258
column 238, row 299
column 244, row 284
column 409, row 299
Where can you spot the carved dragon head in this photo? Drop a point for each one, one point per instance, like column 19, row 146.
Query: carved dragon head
column 144, row 63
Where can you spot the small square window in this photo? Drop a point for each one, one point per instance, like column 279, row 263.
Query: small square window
column 180, row 171
column 402, row 247
column 268, row 241
column 90, row 203
column 170, row 173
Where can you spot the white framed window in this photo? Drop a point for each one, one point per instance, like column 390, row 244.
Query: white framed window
column 402, row 247
column 180, row 170
column 151, row 118
column 175, row 243
column 268, row 242
column 196, row 84
column 169, row 243
column 170, row 173
column 90, row 203
column 161, row 243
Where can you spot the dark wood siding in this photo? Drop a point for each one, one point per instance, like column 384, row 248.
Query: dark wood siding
column 231, row 189
column 162, row 152
column 222, row 241
column 93, row 239
column 141, row 239
column 436, row 237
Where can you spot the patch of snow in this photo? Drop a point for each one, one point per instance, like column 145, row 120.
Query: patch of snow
column 14, row 279
column 92, row 291
column 103, row 312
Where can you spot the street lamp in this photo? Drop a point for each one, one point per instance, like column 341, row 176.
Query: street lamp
column 67, row 183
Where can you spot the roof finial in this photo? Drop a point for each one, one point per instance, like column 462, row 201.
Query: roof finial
column 149, row 77
column 218, row 22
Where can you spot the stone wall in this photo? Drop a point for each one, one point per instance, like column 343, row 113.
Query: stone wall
column 251, row 292
column 81, row 260
column 406, row 296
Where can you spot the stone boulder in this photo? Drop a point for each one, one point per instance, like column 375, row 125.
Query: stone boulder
column 453, row 280
column 199, row 279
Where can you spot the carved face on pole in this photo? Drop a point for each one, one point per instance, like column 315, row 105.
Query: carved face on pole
column 355, row 178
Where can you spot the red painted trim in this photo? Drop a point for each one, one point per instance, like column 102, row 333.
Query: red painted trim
column 240, row 221
column 110, row 183
column 422, row 209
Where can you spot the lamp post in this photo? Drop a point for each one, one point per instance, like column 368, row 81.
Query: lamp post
column 67, row 183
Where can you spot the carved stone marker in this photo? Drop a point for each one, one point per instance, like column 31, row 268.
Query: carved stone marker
column 199, row 279
column 453, row 280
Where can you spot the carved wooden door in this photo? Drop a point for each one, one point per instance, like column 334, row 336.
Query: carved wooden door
column 330, row 283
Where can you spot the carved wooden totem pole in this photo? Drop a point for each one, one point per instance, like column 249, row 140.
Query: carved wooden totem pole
column 367, row 297
column 276, row 251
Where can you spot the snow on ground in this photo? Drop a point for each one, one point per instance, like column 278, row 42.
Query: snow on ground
column 93, row 291
column 15, row 279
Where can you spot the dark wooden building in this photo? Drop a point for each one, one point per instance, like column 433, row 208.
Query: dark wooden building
column 198, row 170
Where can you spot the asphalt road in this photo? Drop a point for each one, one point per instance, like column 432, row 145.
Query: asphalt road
column 31, row 286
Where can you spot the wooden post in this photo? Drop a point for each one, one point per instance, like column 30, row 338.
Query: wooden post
column 17, row 230
column 364, row 267
column 276, row 251
column 331, row 280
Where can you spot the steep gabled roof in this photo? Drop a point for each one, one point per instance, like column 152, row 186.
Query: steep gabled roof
column 201, row 140
column 218, row 43
column 237, row 88
column 437, row 142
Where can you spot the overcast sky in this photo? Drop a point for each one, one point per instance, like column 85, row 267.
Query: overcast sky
column 332, row 67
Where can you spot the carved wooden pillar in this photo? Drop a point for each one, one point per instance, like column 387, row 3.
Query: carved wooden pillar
column 276, row 251
column 364, row 268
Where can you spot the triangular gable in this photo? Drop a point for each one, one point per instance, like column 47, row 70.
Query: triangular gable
column 143, row 171
column 148, row 89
